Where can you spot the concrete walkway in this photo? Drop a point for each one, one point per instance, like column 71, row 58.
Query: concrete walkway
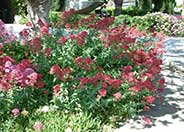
column 167, row 114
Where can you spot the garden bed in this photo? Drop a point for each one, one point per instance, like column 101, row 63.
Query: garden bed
column 105, row 74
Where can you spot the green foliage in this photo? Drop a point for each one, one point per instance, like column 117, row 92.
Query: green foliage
column 79, row 122
column 122, row 19
column 134, row 11
column 166, row 6
column 131, row 11
column 23, row 20
column 53, row 17
column 27, row 98
column 53, row 121
column 20, row 7
column 145, row 5
column 57, row 5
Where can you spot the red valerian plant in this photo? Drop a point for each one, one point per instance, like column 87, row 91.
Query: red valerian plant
column 109, row 72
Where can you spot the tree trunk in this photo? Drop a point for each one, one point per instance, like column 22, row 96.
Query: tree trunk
column 136, row 3
column 118, row 7
column 38, row 9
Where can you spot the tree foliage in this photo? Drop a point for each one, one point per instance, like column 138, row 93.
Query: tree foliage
column 57, row 5
column 20, row 6
column 166, row 6
column 145, row 5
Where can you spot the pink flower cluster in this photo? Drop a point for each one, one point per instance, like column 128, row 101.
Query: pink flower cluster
column 15, row 112
column 38, row 126
column 20, row 74
column 6, row 35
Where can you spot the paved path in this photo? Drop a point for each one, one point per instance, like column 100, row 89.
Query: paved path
column 168, row 114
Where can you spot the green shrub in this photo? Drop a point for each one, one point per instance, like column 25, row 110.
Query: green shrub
column 122, row 19
column 131, row 11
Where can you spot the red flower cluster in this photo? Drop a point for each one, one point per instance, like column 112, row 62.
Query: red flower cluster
column 56, row 90
column 149, row 99
column 44, row 30
column 102, row 92
column 106, row 81
column 119, row 37
column 62, row 40
column 47, row 52
column 84, row 63
column 79, row 38
column 35, row 45
column 102, row 24
column 117, row 96
column 25, row 35
column 65, row 17
column 62, row 74
column 85, row 22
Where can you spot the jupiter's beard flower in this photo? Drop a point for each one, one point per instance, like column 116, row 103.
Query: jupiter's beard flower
column 15, row 112
column 38, row 126
column 56, row 90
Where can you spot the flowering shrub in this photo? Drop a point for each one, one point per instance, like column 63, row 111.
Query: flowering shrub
column 161, row 22
column 157, row 21
column 178, row 28
column 108, row 72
